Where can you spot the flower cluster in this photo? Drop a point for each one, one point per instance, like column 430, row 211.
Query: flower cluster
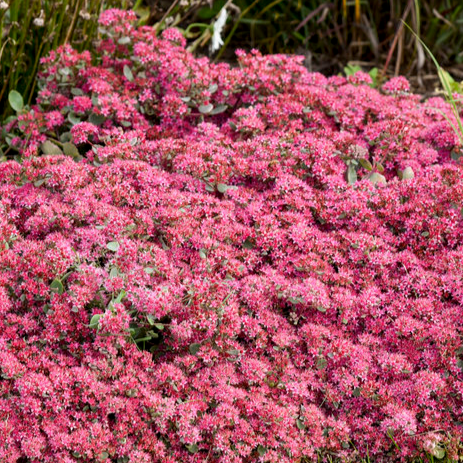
column 201, row 262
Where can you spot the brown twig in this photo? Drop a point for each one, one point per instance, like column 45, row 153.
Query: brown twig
column 313, row 14
column 397, row 35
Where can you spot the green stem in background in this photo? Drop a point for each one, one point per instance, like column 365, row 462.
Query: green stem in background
column 25, row 43
column 268, row 7
column 445, row 84
column 73, row 22
column 235, row 26
column 59, row 24
column 31, row 81
column 166, row 15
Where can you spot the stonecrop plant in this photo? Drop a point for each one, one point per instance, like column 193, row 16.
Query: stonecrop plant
column 205, row 263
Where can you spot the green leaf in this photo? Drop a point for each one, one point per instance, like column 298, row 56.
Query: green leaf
column 439, row 452
column 222, row 187
column 128, row 73
column 95, row 320
column 144, row 14
column 221, row 108
column 408, row 173
column 124, row 40
column 39, row 182
column 16, row 100
column 77, row 91
column 56, row 286
column 70, row 149
column 192, row 448
column 50, row 148
column 202, row 254
column 146, row 338
column 351, row 69
column 212, row 89
column 351, row 174
column 73, row 118
column 206, row 108
column 112, row 246
column 233, row 352
column 261, row 450
column 366, row 164
column 374, row 76
column 194, row 348
column 114, row 272
column 321, row 363
column 300, row 425
column 356, row 392
column 209, row 12
column 248, row 244
column 455, row 155
column 96, row 119
column 376, row 178
column 159, row 326
column 119, row 298
column 149, row 270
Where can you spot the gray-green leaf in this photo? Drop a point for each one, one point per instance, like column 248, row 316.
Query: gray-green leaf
column 408, row 173
column 206, row 108
column 248, row 244
column 300, row 425
column 222, row 187
column 439, row 452
column 95, row 320
column 16, row 100
column 376, row 178
column 50, row 148
column 192, row 448
column 321, row 363
column 56, row 286
column 351, row 174
column 73, row 118
column 128, row 73
column 194, row 348
column 70, row 149
column 112, row 246
column 219, row 109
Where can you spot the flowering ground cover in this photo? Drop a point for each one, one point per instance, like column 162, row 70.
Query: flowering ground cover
column 201, row 263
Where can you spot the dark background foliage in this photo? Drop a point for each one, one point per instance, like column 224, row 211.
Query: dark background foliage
column 331, row 34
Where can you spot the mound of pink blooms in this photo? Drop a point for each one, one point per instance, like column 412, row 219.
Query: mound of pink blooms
column 186, row 275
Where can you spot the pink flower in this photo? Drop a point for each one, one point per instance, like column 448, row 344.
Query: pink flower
column 83, row 132
column 396, row 85
column 208, row 271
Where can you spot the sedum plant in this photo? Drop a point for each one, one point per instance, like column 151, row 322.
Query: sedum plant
column 201, row 262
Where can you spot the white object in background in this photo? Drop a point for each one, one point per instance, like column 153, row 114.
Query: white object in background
column 217, row 41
